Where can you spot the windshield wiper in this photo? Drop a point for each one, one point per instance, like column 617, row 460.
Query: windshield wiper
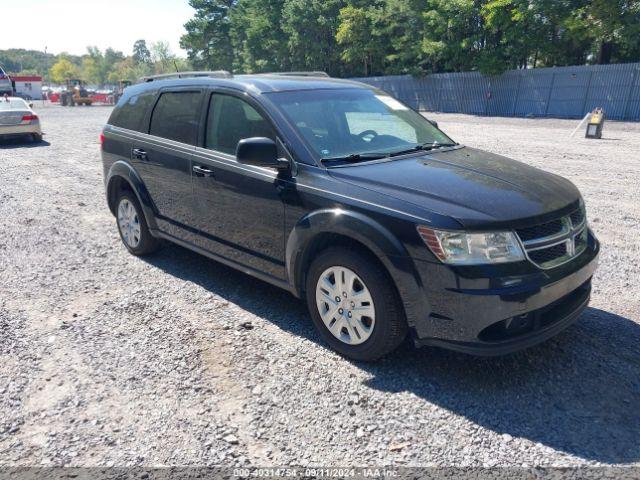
column 424, row 146
column 363, row 157
column 432, row 145
column 356, row 157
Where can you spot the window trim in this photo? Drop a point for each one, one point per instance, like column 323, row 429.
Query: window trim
column 143, row 126
column 242, row 96
column 186, row 89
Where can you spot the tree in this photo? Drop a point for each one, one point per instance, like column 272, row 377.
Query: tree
column 128, row 69
column 208, row 38
column 62, row 70
column 162, row 56
column 370, row 37
column 97, row 66
column 612, row 27
column 503, row 31
column 402, row 30
column 18, row 59
column 358, row 36
column 311, row 27
column 91, row 70
column 258, row 41
column 141, row 53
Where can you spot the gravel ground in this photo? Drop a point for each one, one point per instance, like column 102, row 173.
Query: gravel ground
column 107, row 359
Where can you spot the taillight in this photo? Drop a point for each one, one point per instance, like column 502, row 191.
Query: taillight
column 101, row 140
column 29, row 118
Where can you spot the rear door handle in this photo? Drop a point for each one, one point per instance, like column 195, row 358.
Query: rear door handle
column 139, row 154
column 202, row 172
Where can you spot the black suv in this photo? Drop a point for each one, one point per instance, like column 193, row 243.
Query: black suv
column 342, row 195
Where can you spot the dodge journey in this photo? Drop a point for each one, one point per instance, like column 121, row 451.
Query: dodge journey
column 354, row 202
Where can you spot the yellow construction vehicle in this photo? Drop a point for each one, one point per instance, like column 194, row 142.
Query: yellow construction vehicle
column 76, row 93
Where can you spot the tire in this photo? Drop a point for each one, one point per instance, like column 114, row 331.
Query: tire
column 132, row 226
column 37, row 137
column 381, row 329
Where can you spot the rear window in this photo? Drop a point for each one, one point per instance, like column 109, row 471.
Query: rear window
column 175, row 116
column 13, row 104
column 130, row 114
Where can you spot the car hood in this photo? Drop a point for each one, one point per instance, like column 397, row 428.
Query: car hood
column 474, row 187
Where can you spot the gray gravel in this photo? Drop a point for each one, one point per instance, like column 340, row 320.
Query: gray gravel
column 107, row 359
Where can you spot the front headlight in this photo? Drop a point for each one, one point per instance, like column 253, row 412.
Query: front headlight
column 462, row 248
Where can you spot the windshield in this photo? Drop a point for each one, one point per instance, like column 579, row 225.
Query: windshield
column 356, row 122
column 13, row 104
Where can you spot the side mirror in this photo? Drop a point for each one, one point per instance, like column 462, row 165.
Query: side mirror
column 30, row 104
column 433, row 122
column 260, row 151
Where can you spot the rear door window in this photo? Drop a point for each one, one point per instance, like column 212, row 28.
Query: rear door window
column 175, row 117
column 131, row 113
column 230, row 120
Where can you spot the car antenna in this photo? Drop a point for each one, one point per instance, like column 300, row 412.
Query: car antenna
column 176, row 66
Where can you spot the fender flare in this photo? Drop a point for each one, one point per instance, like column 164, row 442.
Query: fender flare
column 124, row 170
column 366, row 231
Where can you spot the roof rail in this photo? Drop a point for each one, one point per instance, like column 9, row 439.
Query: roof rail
column 299, row 74
column 165, row 76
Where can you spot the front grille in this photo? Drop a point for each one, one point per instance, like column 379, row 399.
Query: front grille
column 540, row 231
column 577, row 217
column 550, row 254
column 555, row 242
column 581, row 240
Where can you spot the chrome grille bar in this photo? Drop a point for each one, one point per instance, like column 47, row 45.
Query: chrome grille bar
column 550, row 251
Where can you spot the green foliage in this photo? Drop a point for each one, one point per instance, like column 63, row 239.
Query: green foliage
column 375, row 37
column 95, row 67
column 362, row 39
column 208, row 37
column 98, row 66
column 257, row 36
column 141, row 53
column 62, row 70
column 369, row 37
column 310, row 27
column 18, row 60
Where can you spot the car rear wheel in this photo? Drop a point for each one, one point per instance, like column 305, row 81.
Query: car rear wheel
column 132, row 226
column 354, row 304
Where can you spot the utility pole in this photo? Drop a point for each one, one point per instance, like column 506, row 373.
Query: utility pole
column 44, row 72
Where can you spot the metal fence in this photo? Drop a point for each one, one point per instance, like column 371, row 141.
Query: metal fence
column 562, row 92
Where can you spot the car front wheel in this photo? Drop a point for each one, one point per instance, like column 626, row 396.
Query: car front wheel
column 354, row 304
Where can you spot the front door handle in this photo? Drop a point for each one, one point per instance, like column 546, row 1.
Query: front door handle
column 202, row 172
column 139, row 154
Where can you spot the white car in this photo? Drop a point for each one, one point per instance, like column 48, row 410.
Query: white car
column 17, row 118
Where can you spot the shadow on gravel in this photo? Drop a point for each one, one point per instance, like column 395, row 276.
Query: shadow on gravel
column 17, row 142
column 578, row 393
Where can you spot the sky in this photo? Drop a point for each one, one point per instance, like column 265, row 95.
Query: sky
column 71, row 25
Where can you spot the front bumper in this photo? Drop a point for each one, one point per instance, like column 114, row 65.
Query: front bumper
column 494, row 310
